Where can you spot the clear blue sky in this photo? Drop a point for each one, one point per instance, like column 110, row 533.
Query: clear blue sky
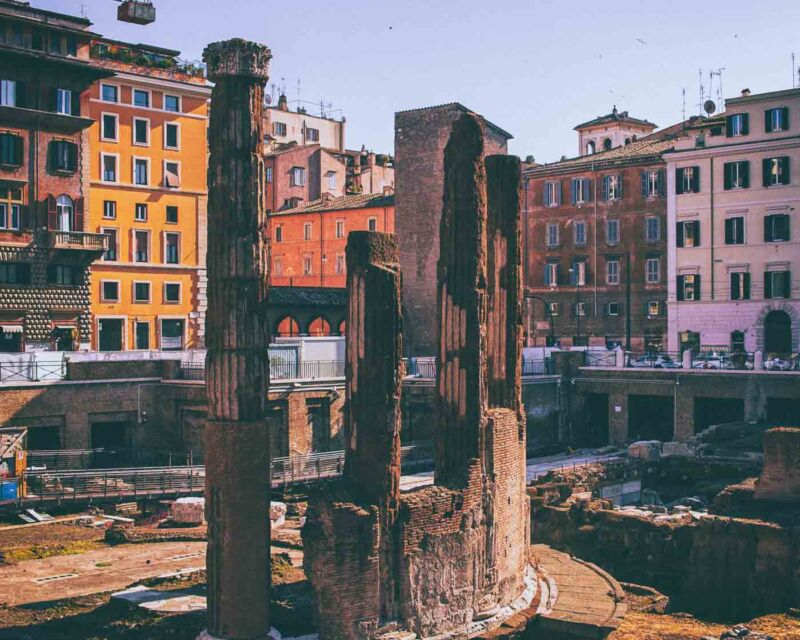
column 534, row 67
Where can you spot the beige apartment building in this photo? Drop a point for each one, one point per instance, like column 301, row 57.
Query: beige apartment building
column 283, row 126
column 733, row 190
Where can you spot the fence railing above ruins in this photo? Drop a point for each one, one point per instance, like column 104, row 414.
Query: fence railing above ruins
column 425, row 368
column 704, row 359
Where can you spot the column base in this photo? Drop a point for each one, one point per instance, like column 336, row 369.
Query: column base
column 274, row 634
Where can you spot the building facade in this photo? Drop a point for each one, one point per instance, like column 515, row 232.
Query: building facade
column 283, row 126
column 734, row 232
column 148, row 166
column 46, row 241
column 614, row 129
column 297, row 175
column 420, row 136
column 596, row 244
column 308, row 242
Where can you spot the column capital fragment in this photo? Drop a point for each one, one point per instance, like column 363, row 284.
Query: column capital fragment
column 237, row 58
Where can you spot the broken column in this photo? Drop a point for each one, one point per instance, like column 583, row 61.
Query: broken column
column 237, row 338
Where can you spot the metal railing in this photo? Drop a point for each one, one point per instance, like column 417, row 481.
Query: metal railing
column 78, row 240
column 32, row 369
column 281, row 370
column 704, row 359
column 425, row 368
column 75, row 459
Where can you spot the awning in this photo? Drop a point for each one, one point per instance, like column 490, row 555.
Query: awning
column 171, row 180
column 11, row 328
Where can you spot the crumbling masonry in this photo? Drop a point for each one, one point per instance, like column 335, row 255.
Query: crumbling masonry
column 237, row 337
column 447, row 559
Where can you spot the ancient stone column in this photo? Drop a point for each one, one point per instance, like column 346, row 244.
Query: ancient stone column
column 374, row 377
column 237, row 338
column 461, row 274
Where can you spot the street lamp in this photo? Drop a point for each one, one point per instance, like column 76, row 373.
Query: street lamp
column 548, row 315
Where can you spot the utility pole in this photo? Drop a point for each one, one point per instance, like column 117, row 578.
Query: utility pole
column 628, row 301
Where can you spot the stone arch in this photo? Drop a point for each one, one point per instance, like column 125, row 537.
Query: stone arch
column 590, row 147
column 794, row 317
column 607, row 144
column 287, row 326
column 319, row 327
column 343, row 328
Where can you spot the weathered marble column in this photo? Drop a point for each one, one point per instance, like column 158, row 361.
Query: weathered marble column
column 237, row 338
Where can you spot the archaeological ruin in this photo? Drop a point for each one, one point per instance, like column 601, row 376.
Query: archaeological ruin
column 448, row 560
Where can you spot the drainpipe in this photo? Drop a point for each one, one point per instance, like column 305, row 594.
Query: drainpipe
column 711, row 233
column 594, row 179
column 321, row 251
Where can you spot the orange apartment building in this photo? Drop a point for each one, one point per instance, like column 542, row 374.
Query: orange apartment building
column 148, row 164
column 309, row 241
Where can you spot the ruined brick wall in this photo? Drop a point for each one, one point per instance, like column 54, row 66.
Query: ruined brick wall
column 420, row 139
column 780, row 478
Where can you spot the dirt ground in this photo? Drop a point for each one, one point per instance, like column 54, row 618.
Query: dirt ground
column 647, row 626
column 29, row 543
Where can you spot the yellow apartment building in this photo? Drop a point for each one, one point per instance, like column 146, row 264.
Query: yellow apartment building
column 148, row 163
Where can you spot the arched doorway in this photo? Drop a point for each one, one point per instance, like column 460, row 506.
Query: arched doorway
column 288, row 327
column 777, row 332
column 319, row 327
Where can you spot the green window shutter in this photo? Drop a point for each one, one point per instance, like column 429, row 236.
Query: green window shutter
column 745, row 124
column 696, row 180
column 679, row 173
column 727, row 174
column 735, row 286
column 767, row 285
column 680, row 295
column 785, row 170
column 766, row 165
column 768, row 121
column 745, row 169
column 679, row 234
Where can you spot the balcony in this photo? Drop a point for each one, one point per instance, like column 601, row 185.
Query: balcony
column 95, row 242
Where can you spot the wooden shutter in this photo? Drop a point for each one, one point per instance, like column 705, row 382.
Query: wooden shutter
column 729, row 126
column 679, row 292
column 783, row 221
column 727, row 174
column 745, row 173
column 745, row 123
column 767, row 229
column 73, row 156
column 765, row 170
column 25, row 217
column 79, row 215
column 785, row 117
column 558, row 191
column 746, row 287
column 787, row 284
column 21, row 95
column 679, row 173
column 729, row 231
column 547, row 274
column 785, row 170
column 696, row 179
column 696, row 224
column 679, row 234
column 619, row 186
column 573, row 191
column 660, row 187
column 76, row 103
column 697, row 287
column 735, row 285
column 52, row 213
column 767, row 285
column 644, row 184
column 545, row 194
column 587, row 190
column 604, row 187
column 768, row 120
column 19, row 150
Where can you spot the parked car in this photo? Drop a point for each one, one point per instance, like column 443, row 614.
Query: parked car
column 654, row 361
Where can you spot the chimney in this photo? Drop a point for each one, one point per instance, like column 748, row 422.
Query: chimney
column 283, row 103
column 388, row 190
column 745, row 92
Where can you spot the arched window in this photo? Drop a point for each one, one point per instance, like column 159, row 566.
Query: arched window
column 627, row 140
column 343, row 328
column 319, row 327
column 64, row 210
column 607, row 144
column 288, row 327
column 590, row 147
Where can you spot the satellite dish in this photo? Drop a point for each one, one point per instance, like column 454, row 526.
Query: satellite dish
column 268, row 99
column 709, row 107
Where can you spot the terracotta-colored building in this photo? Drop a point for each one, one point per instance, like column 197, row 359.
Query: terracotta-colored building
column 46, row 244
column 297, row 175
column 308, row 242
column 596, row 254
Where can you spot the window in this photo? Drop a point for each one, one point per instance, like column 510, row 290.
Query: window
column 687, row 180
column 268, row 174
column 734, row 230
column 552, row 193
column 776, row 119
column 653, row 270
column 172, row 248
column 689, row 287
column 688, row 234
column 141, row 131
column 612, row 187
column 777, row 284
column 551, row 239
column 109, row 209
column 579, row 190
column 737, row 175
column 141, row 246
column 613, row 308
column 109, row 291
column 653, row 308
column 607, row 144
column 652, row 183
column 612, row 271
column 312, row 135
column 64, row 102
column 109, row 125
column 307, row 266
column 331, row 180
column 172, row 138
column 372, row 224
column 340, row 228
column 141, row 335
column 775, row 171
column 340, row 264
column 172, row 103
column 277, row 266
column 140, row 212
column 63, row 156
column 172, row 174
column 15, row 273
column 279, row 128
column 110, row 254
column 141, row 169
column 172, row 335
column 10, row 209
column 737, row 124
column 554, row 308
column 652, row 229
column 612, row 231
column 737, row 341
column 141, row 98
column 776, row 228
column 10, row 149
column 307, row 231
column 579, row 233
column 64, row 213
column 62, row 274
column 109, row 93
column 279, row 233
column 298, row 176
column 581, row 309
column 141, row 292
column 740, row 286
column 578, row 273
column 8, row 93
column 171, row 214
column 590, row 147
column 551, row 274
column 172, row 292
column 109, row 168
